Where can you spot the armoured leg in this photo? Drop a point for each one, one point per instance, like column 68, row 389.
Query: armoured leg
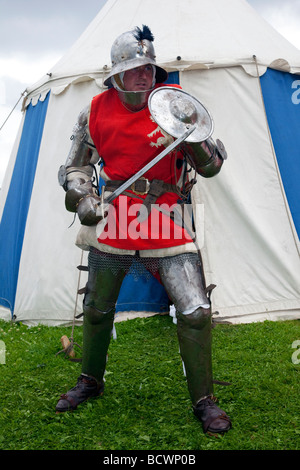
column 183, row 280
column 194, row 335
column 99, row 308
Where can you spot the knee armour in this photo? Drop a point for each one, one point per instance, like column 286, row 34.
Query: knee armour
column 95, row 316
column 101, row 295
column 196, row 320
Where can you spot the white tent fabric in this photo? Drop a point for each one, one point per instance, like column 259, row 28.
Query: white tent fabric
column 250, row 248
column 248, row 232
column 203, row 34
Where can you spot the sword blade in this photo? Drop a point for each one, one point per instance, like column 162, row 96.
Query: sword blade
column 149, row 165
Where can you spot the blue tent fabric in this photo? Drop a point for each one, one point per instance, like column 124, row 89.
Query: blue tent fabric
column 142, row 293
column 13, row 221
column 283, row 114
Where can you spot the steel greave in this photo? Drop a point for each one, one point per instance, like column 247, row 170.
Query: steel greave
column 96, row 340
column 184, row 281
column 102, row 291
column 194, row 333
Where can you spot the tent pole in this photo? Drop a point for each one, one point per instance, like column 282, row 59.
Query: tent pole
column 5, row 121
column 68, row 343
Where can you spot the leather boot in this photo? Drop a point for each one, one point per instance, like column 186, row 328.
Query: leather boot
column 86, row 387
column 212, row 417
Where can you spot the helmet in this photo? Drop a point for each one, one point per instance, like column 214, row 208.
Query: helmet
column 133, row 49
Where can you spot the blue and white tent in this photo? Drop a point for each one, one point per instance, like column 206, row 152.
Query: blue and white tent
column 248, row 76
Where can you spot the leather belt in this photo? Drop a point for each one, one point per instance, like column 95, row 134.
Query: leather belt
column 142, row 186
column 153, row 189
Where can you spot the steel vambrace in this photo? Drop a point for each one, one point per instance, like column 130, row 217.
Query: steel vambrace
column 207, row 157
column 76, row 175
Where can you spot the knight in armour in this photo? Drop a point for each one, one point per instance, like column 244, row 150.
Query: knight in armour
column 118, row 130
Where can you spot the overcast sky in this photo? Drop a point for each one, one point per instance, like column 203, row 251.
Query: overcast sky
column 35, row 34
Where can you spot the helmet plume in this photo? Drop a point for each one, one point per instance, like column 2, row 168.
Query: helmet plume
column 141, row 34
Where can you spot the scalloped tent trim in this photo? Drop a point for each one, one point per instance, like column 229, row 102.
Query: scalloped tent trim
column 230, row 34
column 59, row 85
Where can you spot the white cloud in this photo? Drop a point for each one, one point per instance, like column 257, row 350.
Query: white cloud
column 25, row 70
column 283, row 16
column 36, row 35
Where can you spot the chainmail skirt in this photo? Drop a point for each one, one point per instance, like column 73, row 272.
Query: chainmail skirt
column 135, row 265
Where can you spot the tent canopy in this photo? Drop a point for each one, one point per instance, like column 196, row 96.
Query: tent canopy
column 188, row 35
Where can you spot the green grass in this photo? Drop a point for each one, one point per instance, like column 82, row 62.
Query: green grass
column 146, row 404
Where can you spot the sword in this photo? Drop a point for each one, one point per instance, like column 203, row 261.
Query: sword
column 149, row 165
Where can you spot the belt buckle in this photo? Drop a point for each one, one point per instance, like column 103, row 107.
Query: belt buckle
column 147, row 187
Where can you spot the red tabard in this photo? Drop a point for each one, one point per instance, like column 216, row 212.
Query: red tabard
column 126, row 141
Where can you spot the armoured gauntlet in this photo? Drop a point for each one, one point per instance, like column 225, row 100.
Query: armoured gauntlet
column 77, row 174
column 207, row 157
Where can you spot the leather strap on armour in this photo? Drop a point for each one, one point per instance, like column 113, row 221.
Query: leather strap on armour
column 153, row 189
